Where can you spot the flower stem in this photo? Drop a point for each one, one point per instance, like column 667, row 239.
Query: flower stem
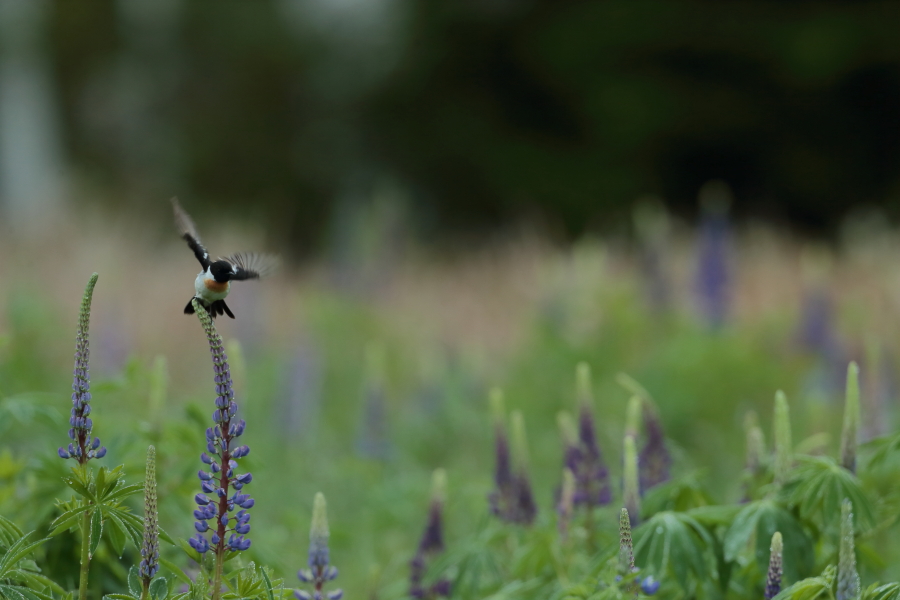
column 85, row 555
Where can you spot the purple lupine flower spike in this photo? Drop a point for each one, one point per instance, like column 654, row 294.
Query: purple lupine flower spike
column 512, row 499
column 582, row 455
column 83, row 446
column 432, row 542
column 215, row 514
column 654, row 459
column 319, row 571
column 773, row 577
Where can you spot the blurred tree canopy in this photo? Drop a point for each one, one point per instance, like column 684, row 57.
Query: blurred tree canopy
column 482, row 110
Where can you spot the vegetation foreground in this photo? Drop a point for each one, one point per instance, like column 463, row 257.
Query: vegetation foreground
column 570, row 512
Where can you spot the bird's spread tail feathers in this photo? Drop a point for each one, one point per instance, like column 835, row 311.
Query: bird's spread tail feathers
column 216, row 308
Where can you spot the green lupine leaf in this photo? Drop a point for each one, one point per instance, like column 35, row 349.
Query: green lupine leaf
column 678, row 495
column 96, row 531
column 193, row 554
column 120, row 597
column 117, row 534
column 713, row 516
column 17, row 552
column 124, row 492
column 13, row 592
column 673, row 543
column 134, row 582
column 165, row 536
column 131, row 523
column 269, row 594
column 80, row 488
column 754, row 526
column 9, row 531
column 159, row 589
column 811, row 588
column 176, row 570
column 67, row 520
column 819, row 485
column 887, row 591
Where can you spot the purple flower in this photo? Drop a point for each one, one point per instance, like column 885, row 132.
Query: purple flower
column 319, row 571
column 512, row 499
column 649, row 585
column 581, row 454
column 83, row 446
column 432, row 543
column 215, row 512
column 654, row 460
column 773, row 576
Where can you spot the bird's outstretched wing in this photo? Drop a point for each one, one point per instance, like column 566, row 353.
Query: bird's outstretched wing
column 250, row 265
column 189, row 232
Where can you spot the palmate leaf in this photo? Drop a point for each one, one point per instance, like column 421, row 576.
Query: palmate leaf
column 17, row 552
column 9, row 532
column 887, row 591
column 819, row 485
column 67, row 520
column 679, row 495
column 754, row 526
column 676, row 544
column 814, row 588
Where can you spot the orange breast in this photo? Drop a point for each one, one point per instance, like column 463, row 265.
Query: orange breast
column 214, row 286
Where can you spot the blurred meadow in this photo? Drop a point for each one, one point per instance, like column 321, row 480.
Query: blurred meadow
column 465, row 196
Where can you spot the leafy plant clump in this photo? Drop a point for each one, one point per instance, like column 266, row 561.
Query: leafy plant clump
column 801, row 523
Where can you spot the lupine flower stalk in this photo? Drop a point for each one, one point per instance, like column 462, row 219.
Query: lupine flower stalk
column 83, row 446
column 525, row 508
column 511, row 500
column 320, row 571
column 755, row 444
column 500, row 498
column 773, row 577
column 626, row 547
column 373, row 434
column 149, row 565
column 631, row 496
column 848, row 587
column 566, row 503
column 585, row 459
column 851, row 420
column 432, row 542
column 783, row 446
column 654, row 460
column 221, row 487
column 634, row 416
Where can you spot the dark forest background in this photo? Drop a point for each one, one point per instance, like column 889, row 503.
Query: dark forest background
column 477, row 113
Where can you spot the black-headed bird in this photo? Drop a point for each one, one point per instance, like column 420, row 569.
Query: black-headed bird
column 214, row 281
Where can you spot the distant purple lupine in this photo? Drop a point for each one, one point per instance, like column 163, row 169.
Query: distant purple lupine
column 432, row 543
column 654, row 460
column 372, row 441
column 713, row 277
column 512, row 499
column 214, row 504
column 302, row 395
column 83, row 446
column 320, row 571
column 582, row 455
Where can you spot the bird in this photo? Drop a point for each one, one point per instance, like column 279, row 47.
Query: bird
column 214, row 282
